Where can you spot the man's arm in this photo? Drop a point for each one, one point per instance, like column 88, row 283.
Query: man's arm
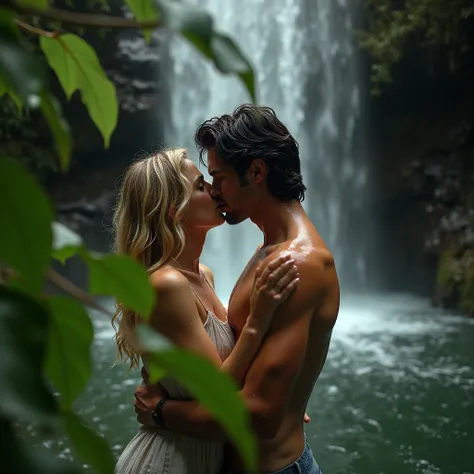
column 270, row 380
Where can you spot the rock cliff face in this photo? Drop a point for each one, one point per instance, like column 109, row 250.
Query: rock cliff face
column 85, row 196
column 87, row 193
column 424, row 153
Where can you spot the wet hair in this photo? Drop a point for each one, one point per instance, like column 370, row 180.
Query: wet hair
column 254, row 132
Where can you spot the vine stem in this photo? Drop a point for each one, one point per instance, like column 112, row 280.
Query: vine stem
column 38, row 31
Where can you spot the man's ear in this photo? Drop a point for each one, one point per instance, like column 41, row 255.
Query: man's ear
column 257, row 170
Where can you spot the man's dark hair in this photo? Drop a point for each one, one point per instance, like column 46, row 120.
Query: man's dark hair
column 252, row 132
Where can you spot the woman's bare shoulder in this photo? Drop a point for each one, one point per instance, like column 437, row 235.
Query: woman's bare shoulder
column 168, row 279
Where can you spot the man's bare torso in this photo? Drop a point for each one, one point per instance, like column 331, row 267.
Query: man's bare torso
column 303, row 243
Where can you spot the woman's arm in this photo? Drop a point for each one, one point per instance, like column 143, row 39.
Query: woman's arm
column 177, row 318
column 271, row 288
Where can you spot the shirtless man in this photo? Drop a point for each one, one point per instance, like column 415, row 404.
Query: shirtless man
column 255, row 166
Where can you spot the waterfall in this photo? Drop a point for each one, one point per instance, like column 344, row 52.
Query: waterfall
column 306, row 65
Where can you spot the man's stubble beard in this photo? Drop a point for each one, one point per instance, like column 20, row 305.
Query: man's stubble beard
column 233, row 219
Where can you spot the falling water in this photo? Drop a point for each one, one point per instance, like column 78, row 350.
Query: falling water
column 305, row 60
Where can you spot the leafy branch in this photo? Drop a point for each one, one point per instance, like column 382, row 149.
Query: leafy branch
column 81, row 19
column 392, row 24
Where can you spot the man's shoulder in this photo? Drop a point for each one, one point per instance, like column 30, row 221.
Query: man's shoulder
column 310, row 259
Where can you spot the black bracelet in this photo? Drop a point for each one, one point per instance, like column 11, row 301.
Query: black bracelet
column 156, row 413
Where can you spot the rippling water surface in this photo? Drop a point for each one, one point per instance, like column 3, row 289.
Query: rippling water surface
column 395, row 397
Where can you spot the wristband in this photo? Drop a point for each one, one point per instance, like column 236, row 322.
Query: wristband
column 156, row 413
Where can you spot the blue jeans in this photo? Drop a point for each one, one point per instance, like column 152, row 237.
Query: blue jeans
column 305, row 464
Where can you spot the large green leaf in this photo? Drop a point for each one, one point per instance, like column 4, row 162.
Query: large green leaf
column 122, row 277
column 91, row 448
column 66, row 242
column 196, row 25
column 143, row 10
column 214, row 389
column 76, row 64
column 23, row 335
column 19, row 457
column 23, row 74
column 52, row 113
column 68, row 360
column 26, row 215
column 228, row 59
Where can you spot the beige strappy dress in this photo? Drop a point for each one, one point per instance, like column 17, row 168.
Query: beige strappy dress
column 154, row 451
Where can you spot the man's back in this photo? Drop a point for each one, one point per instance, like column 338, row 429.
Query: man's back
column 303, row 337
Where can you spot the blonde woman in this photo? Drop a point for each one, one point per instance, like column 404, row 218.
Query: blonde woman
column 162, row 218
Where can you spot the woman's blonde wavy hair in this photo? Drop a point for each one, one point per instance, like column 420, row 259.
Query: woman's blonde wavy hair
column 144, row 227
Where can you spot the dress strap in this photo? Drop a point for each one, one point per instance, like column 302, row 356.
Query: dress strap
column 199, row 299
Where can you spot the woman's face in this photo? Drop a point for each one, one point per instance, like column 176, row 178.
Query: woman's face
column 202, row 210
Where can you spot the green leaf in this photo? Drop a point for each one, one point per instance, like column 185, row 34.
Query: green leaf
column 228, row 59
column 68, row 360
column 7, row 23
column 10, row 31
column 23, row 73
column 23, row 335
column 52, row 113
column 38, row 4
column 91, row 448
column 26, row 214
column 76, row 64
column 143, row 10
column 214, row 389
column 122, row 277
column 19, row 457
column 5, row 89
column 185, row 18
column 66, row 242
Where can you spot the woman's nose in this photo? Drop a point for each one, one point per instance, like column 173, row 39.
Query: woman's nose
column 214, row 192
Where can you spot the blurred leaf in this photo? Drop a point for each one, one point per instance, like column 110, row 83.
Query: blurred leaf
column 90, row 447
column 5, row 89
column 70, row 288
column 214, row 389
column 122, row 277
column 7, row 22
column 10, row 29
column 76, row 64
column 66, row 242
column 185, row 18
column 68, row 360
column 39, row 4
column 18, row 457
column 26, row 215
column 23, row 74
column 23, row 335
column 59, row 127
column 196, row 25
column 143, row 10
column 228, row 59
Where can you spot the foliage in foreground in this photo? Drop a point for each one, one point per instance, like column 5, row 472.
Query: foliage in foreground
column 46, row 339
